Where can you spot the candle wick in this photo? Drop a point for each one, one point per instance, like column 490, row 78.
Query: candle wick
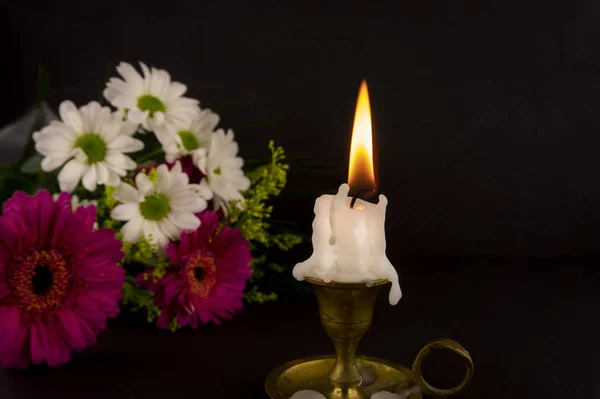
column 357, row 195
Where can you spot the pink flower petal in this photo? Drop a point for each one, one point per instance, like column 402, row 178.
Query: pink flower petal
column 13, row 337
column 10, row 319
column 76, row 331
column 15, row 203
column 39, row 344
column 45, row 214
column 4, row 290
column 62, row 217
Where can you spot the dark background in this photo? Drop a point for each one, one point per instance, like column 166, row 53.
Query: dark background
column 485, row 113
column 487, row 129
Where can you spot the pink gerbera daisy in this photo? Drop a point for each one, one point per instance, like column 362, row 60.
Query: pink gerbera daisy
column 207, row 276
column 59, row 279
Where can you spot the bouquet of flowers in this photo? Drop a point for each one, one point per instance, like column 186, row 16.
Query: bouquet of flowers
column 151, row 206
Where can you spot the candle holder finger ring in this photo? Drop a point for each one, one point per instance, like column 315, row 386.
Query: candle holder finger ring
column 346, row 311
column 443, row 343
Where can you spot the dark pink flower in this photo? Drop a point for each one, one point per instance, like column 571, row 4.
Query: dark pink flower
column 207, row 276
column 59, row 279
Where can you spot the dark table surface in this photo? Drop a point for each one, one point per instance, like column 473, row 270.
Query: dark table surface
column 532, row 329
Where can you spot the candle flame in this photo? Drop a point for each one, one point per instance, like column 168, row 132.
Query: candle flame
column 361, row 174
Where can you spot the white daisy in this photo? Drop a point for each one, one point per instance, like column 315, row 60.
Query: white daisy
column 151, row 100
column 223, row 169
column 160, row 208
column 192, row 138
column 76, row 203
column 93, row 140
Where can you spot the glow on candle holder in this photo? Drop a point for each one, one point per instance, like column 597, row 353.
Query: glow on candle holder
column 349, row 241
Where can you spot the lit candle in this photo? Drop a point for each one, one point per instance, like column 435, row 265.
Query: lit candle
column 349, row 238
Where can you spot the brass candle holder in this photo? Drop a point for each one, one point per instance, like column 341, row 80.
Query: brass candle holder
column 346, row 311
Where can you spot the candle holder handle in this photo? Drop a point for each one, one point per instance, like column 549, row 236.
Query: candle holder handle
column 443, row 343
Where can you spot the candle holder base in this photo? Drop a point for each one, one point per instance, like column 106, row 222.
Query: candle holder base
column 313, row 374
column 346, row 311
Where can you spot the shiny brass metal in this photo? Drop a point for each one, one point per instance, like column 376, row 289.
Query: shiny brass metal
column 313, row 374
column 346, row 311
column 443, row 343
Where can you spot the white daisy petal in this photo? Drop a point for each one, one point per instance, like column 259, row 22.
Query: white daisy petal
column 132, row 78
column 159, row 118
column 51, row 139
column 143, row 184
column 110, row 93
column 157, row 82
column 132, row 230
column 49, row 164
column 69, row 176
column 185, row 220
column 148, row 229
column 137, row 116
column 70, row 115
column 189, row 203
column 126, row 144
column 125, row 101
column 89, row 178
column 125, row 212
column 175, row 91
column 203, row 190
column 128, row 163
column 103, row 174
column 170, row 230
column 233, row 163
column 128, row 128
column 110, row 131
column 114, row 158
column 176, row 168
column 146, row 72
column 164, row 180
column 157, row 236
column 126, row 193
column 113, row 178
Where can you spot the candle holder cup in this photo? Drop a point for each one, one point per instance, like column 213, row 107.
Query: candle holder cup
column 346, row 311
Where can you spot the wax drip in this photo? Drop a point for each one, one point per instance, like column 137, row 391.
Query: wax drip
column 337, row 202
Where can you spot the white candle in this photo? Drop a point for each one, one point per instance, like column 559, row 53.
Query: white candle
column 349, row 242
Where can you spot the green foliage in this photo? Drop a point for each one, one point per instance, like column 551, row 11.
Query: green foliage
column 174, row 325
column 138, row 298
column 32, row 165
column 143, row 252
column 255, row 296
column 139, row 257
column 253, row 219
column 106, row 204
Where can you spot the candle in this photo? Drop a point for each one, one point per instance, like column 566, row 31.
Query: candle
column 349, row 234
